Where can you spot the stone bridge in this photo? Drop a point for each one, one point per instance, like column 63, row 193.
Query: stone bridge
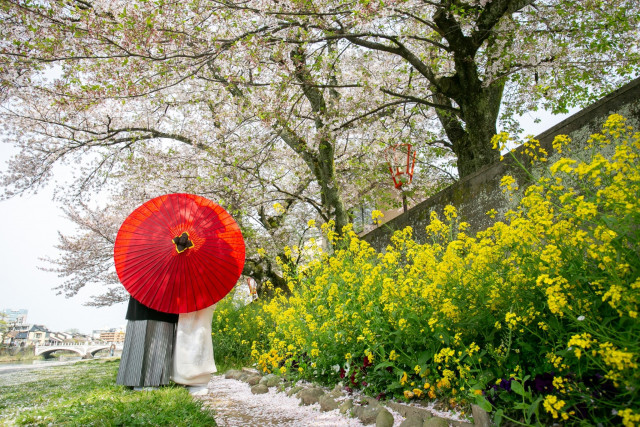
column 87, row 349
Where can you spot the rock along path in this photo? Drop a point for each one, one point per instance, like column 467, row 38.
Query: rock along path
column 235, row 406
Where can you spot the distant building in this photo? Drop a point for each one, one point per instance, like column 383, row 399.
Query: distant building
column 59, row 338
column 24, row 334
column 18, row 334
column 81, row 338
column 38, row 334
column 95, row 334
column 20, row 339
column 15, row 316
column 9, row 338
column 111, row 335
column 64, row 336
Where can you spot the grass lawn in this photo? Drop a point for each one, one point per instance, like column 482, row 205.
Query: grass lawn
column 85, row 394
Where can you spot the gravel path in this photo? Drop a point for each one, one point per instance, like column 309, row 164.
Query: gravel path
column 235, row 406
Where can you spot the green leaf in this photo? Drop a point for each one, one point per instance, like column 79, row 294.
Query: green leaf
column 533, row 408
column 394, row 386
column 517, row 388
column 497, row 418
column 483, row 403
column 382, row 365
column 423, row 357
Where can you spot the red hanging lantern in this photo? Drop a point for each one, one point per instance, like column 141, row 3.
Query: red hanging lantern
column 401, row 160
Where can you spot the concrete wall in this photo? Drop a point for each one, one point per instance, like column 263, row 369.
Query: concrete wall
column 480, row 192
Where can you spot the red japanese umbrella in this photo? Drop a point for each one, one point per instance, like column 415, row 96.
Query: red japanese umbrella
column 179, row 253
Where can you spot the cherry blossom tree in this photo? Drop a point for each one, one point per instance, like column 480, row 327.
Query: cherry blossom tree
column 129, row 76
column 4, row 326
column 86, row 258
column 470, row 60
column 258, row 102
column 457, row 61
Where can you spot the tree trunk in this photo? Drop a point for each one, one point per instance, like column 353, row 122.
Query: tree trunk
column 480, row 113
column 326, row 175
column 322, row 163
column 262, row 271
column 471, row 131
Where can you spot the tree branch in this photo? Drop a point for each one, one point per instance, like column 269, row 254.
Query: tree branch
column 369, row 113
column 422, row 101
column 399, row 50
column 491, row 15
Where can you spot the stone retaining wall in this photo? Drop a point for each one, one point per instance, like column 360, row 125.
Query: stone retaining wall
column 480, row 192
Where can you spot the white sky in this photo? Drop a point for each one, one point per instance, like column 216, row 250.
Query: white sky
column 29, row 232
column 30, row 227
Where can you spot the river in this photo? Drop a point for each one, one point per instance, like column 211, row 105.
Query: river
column 10, row 367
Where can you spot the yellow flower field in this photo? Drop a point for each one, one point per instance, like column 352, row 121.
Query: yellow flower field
column 534, row 318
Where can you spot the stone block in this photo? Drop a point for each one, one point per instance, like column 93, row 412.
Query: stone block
column 294, row 390
column 345, row 406
column 253, row 379
column 327, row 403
column 259, row 389
column 480, row 416
column 412, row 421
column 436, row 422
column 233, row 374
column 369, row 414
column 384, row 418
column 273, row 381
column 266, row 378
column 309, row 396
column 409, row 411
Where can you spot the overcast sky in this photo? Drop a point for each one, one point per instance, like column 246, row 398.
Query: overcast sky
column 29, row 232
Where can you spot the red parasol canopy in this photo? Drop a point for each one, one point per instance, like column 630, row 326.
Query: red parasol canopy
column 179, row 253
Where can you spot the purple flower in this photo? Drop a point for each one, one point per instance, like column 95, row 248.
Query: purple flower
column 542, row 383
column 505, row 384
column 366, row 362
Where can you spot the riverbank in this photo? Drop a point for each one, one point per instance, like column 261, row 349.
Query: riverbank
column 18, row 354
column 84, row 392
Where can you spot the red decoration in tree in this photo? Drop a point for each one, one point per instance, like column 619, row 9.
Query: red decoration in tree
column 401, row 160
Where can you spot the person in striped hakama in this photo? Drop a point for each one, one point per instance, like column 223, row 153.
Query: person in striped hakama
column 148, row 347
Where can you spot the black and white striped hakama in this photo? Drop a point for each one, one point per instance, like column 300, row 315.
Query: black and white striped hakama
column 147, row 354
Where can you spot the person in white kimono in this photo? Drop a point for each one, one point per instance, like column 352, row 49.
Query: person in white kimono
column 193, row 362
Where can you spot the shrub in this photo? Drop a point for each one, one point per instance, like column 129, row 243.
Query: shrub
column 235, row 327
